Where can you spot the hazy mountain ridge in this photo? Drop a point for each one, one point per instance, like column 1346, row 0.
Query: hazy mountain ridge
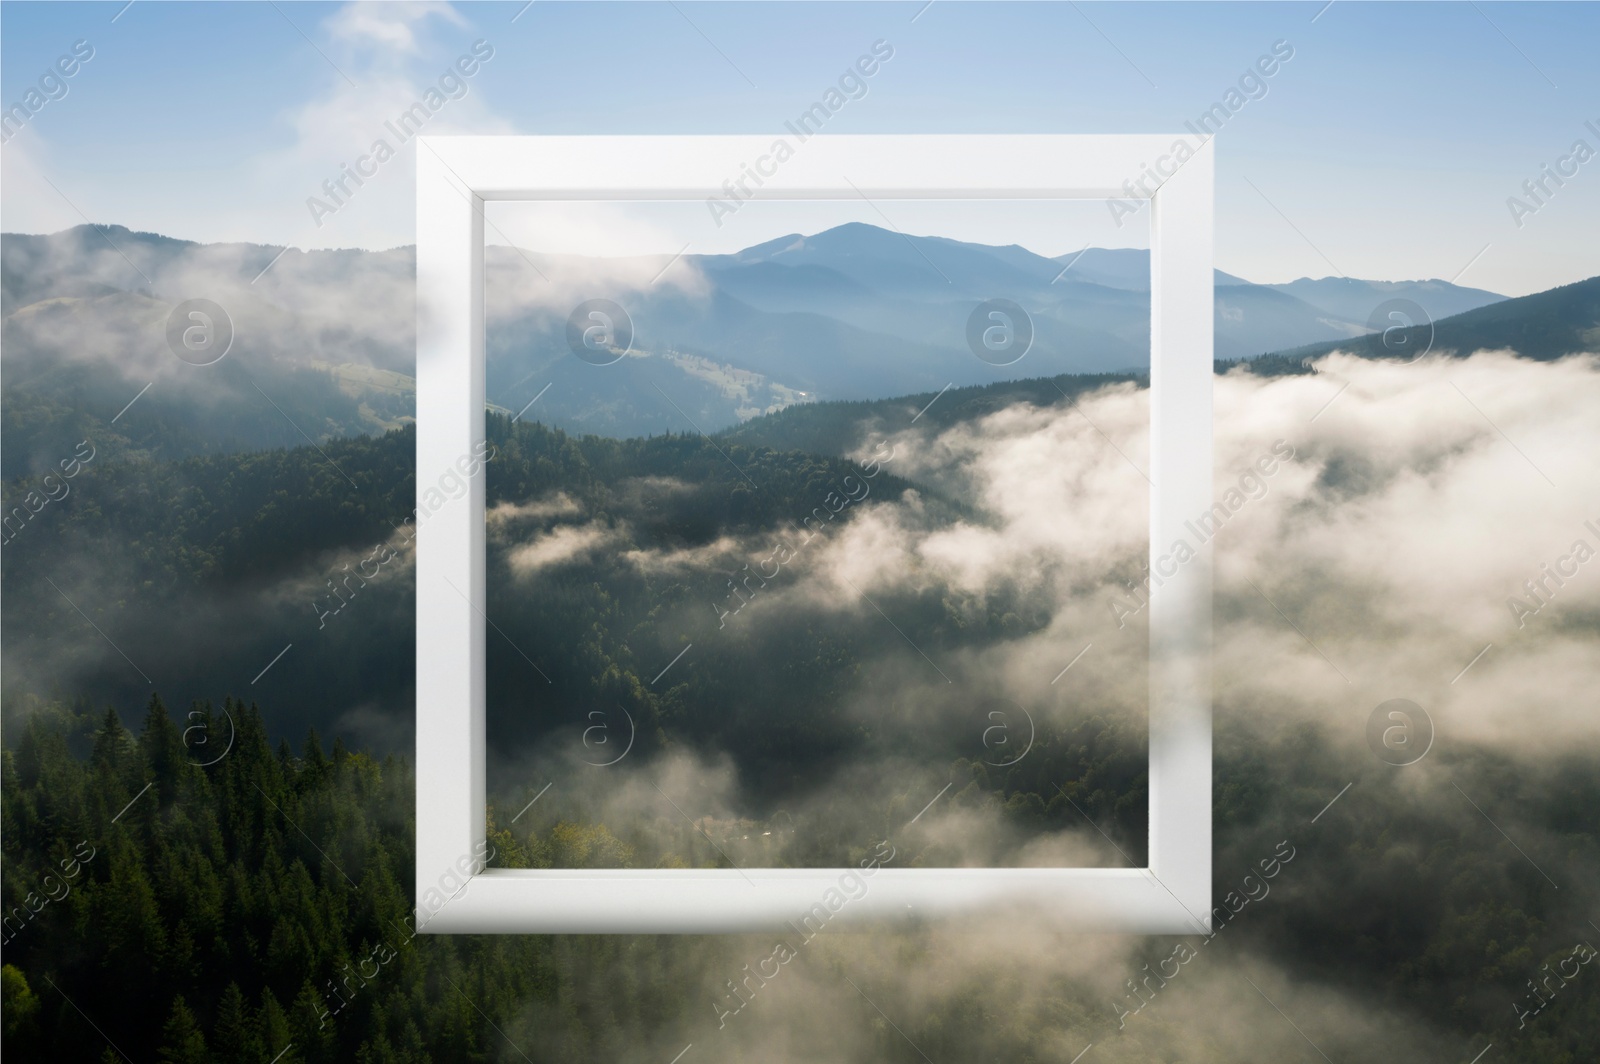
column 324, row 340
column 1543, row 326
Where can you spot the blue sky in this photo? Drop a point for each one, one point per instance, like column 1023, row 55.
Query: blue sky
column 1385, row 148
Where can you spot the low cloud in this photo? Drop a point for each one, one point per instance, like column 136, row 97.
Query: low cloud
column 556, row 547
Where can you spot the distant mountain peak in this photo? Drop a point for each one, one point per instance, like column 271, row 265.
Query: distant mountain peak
column 765, row 250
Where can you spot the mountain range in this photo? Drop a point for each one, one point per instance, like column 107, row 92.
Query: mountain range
column 324, row 340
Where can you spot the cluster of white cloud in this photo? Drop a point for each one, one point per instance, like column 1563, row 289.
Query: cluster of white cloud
column 1377, row 566
column 1418, row 501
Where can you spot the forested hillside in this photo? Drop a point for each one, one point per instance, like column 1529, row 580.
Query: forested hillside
column 1545, row 325
column 259, row 908
column 219, row 912
column 255, row 910
column 842, row 427
column 232, row 559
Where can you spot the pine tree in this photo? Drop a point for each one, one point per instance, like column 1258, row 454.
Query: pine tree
column 316, row 764
column 162, row 746
column 273, row 1029
column 181, row 1040
column 113, row 744
column 127, row 914
column 232, row 1036
column 314, row 1030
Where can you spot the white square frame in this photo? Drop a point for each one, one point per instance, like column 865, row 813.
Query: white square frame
column 455, row 176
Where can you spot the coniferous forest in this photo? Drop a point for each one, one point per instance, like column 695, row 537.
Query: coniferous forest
column 260, row 909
